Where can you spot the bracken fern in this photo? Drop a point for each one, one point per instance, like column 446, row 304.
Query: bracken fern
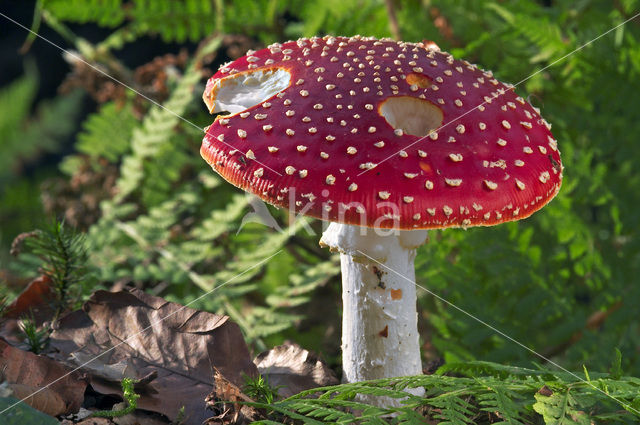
column 492, row 393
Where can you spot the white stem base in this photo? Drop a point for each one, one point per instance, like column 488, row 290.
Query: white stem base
column 379, row 326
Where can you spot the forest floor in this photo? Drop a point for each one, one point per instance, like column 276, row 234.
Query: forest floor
column 127, row 357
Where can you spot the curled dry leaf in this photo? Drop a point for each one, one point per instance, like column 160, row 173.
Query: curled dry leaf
column 18, row 242
column 293, row 369
column 35, row 299
column 225, row 403
column 27, row 373
column 143, row 335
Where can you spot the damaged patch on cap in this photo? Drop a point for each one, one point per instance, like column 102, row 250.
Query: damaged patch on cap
column 241, row 91
column 414, row 116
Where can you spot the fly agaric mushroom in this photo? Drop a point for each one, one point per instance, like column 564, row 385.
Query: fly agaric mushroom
column 384, row 135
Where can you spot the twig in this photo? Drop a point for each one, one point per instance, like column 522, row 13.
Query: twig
column 35, row 27
column 442, row 25
column 393, row 21
column 219, row 6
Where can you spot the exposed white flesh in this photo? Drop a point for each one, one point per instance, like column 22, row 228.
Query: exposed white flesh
column 242, row 91
column 379, row 320
column 413, row 116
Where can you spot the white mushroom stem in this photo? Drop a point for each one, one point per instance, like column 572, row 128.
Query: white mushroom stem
column 379, row 323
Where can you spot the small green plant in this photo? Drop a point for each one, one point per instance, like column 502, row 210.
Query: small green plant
column 129, row 395
column 180, row 417
column 64, row 258
column 4, row 299
column 35, row 338
column 260, row 390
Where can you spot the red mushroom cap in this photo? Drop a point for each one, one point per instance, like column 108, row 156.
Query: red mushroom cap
column 352, row 133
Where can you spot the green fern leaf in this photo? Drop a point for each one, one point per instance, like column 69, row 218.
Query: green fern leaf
column 174, row 21
column 107, row 132
column 108, row 13
column 24, row 138
column 155, row 131
column 454, row 410
column 504, row 403
column 559, row 408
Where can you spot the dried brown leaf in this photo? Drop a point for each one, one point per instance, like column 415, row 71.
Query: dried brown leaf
column 27, row 373
column 294, row 369
column 142, row 334
column 35, row 299
column 225, row 403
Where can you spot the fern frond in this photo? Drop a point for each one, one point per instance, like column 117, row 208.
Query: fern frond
column 22, row 137
column 453, row 410
column 190, row 20
column 512, row 399
column 155, row 131
column 475, row 368
column 108, row 13
column 546, row 36
column 301, row 285
column 222, row 220
column 15, row 100
column 560, row 408
column 107, row 132
column 502, row 402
